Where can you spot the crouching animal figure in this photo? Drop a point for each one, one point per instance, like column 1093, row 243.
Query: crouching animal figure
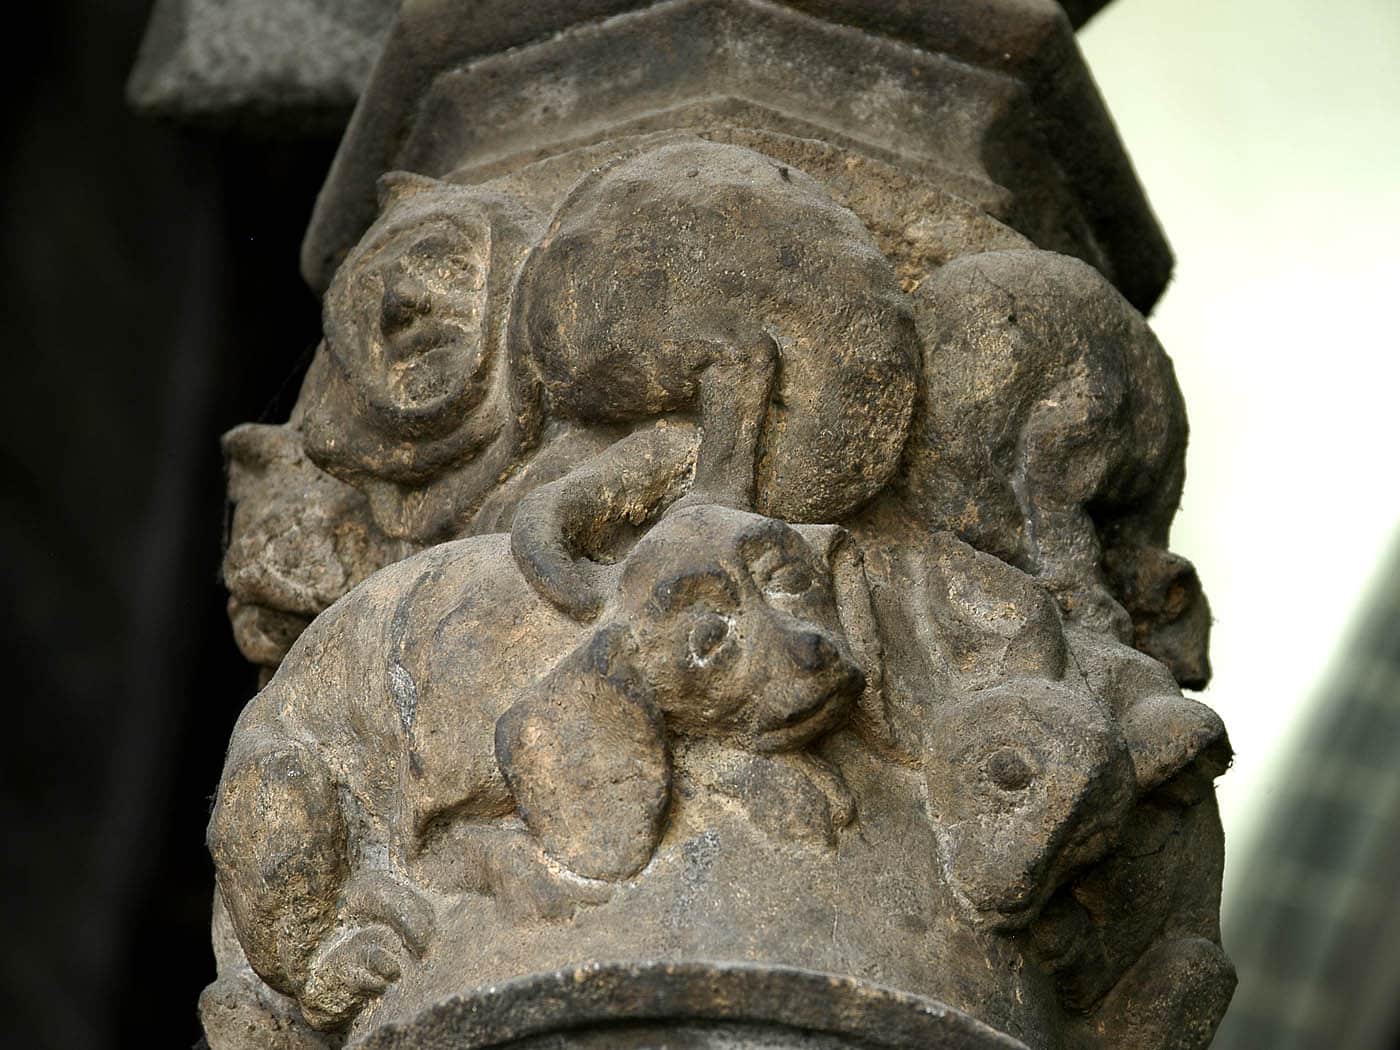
column 1052, row 434
column 1052, row 735
column 474, row 349
column 411, row 728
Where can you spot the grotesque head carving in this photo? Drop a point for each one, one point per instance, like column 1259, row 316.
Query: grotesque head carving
column 405, row 317
column 745, row 641
column 408, row 384
column 1027, row 780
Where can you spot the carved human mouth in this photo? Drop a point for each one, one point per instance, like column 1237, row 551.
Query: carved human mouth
column 1014, row 916
column 810, row 711
column 420, row 338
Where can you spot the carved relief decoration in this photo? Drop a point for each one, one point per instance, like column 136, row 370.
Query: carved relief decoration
column 713, row 538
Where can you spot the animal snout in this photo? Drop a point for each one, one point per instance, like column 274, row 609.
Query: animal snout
column 812, row 651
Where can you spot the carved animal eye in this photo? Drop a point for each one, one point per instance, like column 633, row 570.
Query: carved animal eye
column 710, row 632
column 788, row 580
column 1009, row 769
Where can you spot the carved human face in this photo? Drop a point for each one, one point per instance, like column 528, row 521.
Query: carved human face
column 405, row 318
column 738, row 629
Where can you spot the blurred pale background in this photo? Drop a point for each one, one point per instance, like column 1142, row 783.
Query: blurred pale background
column 1267, row 133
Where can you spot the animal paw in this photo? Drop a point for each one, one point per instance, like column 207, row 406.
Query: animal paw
column 348, row 972
column 383, row 919
column 1172, row 998
column 381, row 898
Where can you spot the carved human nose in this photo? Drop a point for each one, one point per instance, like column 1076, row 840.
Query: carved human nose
column 812, row 651
column 405, row 300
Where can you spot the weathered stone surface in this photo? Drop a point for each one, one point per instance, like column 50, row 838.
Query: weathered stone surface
column 1053, row 435
column 690, row 1005
column 640, row 300
column 299, row 539
column 259, row 65
column 723, row 538
column 989, row 95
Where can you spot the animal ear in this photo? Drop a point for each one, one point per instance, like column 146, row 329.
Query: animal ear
column 997, row 620
column 255, row 446
column 584, row 753
column 1169, row 734
column 1171, row 616
column 395, row 186
column 874, row 718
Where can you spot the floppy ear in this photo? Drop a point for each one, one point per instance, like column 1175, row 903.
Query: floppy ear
column 584, row 753
column 998, row 621
column 873, row 717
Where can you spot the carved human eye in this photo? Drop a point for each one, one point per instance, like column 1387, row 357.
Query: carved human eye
column 1009, row 769
column 432, row 247
column 707, row 637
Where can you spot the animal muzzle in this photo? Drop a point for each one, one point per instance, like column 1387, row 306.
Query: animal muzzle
column 813, row 651
column 822, row 683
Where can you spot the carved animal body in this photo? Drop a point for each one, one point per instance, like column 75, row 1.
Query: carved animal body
column 794, row 340
column 1051, row 433
column 1039, row 739
column 1134, row 940
column 1069, row 787
column 793, row 347
column 1047, row 429
column 443, row 693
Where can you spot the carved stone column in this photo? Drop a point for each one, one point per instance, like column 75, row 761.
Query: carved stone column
column 713, row 588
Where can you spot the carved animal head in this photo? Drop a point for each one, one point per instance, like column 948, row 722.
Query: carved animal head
column 723, row 624
column 1171, row 617
column 737, row 628
column 1027, row 781
column 298, row 540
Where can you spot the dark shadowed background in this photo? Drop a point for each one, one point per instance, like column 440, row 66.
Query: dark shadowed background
column 151, row 301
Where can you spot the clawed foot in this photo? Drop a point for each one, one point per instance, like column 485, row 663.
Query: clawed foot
column 349, row 971
column 383, row 920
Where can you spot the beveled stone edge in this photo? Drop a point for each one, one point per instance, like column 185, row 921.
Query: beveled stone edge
column 604, row 993
column 1032, row 40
